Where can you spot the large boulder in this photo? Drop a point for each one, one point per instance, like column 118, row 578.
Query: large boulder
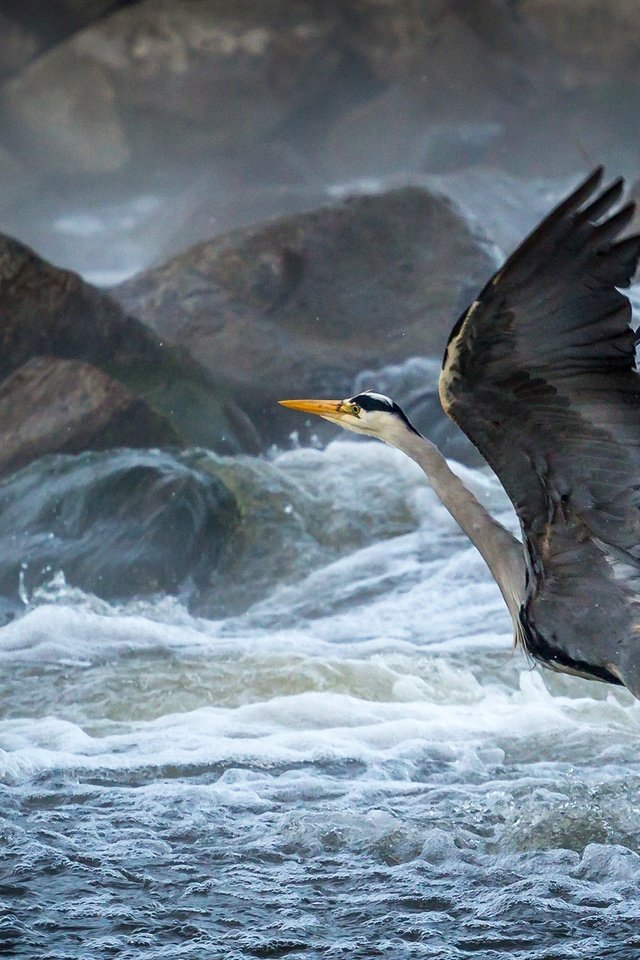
column 594, row 43
column 229, row 71
column 300, row 305
column 29, row 27
column 117, row 524
column 65, row 406
column 166, row 123
column 46, row 311
column 453, row 79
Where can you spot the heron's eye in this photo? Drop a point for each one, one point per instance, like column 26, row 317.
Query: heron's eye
column 354, row 410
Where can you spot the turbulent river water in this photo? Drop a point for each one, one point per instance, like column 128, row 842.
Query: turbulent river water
column 356, row 766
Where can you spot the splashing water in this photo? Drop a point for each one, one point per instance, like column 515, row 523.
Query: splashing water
column 352, row 763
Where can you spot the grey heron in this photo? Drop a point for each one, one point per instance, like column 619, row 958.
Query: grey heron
column 540, row 373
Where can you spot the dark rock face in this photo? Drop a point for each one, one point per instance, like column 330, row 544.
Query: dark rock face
column 48, row 311
column 119, row 525
column 65, row 406
column 299, row 306
column 45, row 311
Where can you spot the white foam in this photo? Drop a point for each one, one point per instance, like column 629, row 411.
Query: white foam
column 317, row 725
column 398, row 647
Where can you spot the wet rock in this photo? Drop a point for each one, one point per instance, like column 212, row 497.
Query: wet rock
column 300, row 305
column 290, row 524
column 123, row 524
column 66, row 406
column 45, row 311
column 48, row 311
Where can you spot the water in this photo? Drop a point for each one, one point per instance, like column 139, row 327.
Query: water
column 352, row 764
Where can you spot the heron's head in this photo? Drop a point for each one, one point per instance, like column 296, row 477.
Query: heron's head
column 369, row 413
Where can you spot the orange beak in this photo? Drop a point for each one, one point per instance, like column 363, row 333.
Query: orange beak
column 331, row 409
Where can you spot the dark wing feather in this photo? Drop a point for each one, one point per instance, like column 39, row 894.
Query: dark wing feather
column 539, row 373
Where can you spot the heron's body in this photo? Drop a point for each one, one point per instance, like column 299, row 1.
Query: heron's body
column 540, row 373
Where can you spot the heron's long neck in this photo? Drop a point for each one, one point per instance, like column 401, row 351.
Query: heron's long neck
column 502, row 552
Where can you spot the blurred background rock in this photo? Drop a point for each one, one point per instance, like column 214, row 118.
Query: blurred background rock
column 130, row 130
column 195, row 159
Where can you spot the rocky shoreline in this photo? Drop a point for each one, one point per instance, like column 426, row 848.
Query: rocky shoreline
column 244, row 201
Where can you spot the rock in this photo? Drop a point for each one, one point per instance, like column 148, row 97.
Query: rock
column 171, row 79
column 394, row 37
column 166, row 123
column 18, row 46
column 301, row 305
column 118, row 524
column 74, row 118
column 48, row 311
column 404, row 130
column 443, row 43
column 45, row 311
column 593, row 42
column 556, row 82
column 459, row 81
column 214, row 204
column 66, row 406
column 30, row 27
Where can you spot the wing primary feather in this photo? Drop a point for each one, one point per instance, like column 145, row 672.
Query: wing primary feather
column 575, row 200
column 540, row 374
column 619, row 263
column 598, row 207
column 559, row 221
column 610, row 229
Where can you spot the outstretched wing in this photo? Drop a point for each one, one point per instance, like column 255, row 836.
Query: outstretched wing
column 539, row 373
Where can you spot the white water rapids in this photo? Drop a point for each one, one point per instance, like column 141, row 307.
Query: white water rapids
column 357, row 766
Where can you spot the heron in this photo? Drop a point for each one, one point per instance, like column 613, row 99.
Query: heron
column 540, row 373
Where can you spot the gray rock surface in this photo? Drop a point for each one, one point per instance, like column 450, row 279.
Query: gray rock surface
column 237, row 70
column 45, row 311
column 300, row 305
column 595, row 41
column 160, row 124
column 30, row 27
column 18, row 45
column 66, row 406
